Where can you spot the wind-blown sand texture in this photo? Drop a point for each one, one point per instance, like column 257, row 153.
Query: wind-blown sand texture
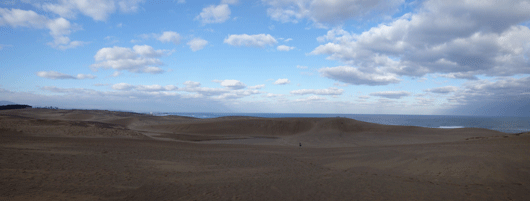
column 102, row 155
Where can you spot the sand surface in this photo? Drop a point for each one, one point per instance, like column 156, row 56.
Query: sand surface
column 104, row 155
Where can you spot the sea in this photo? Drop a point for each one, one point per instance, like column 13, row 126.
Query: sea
column 501, row 123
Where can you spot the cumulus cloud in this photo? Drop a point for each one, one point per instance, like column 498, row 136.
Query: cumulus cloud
column 56, row 75
column 391, row 94
column 197, row 44
column 328, row 91
column 257, row 86
column 59, row 28
column 258, row 40
column 98, row 10
column 442, row 90
column 231, row 84
column 329, row 12
column 284, row 48
column 148, row 51
column 214, row 14
column 282, row 81
column 351, row 75
column 139, row 59
column 147, row 88
column 460, row 39
column 169, row 36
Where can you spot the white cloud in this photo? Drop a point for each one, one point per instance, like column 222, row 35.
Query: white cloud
column 148, row 51
column 330, row 12
column 169, row 36
column 271, row 95
column 352, row 75
column 145, row 88
column 287, row 40
column 284, row 48
column 98, row 10
column 282, row 81
column 214, row 14
column 152, row 70
column 85, row 76
column 192, row 84
column 233, row 89
column 460, row 39
column 59, row 28
column 116, row 74
column 156, row 88
column 442, row 90
column 311, row 99
column 197, row 44
column 122, row 86
column 466, row 75
column 328, row 91
column 257, row 86
column 56, row 75
column 391, row 94
column 141, row 58
column 258, row 40
column 231, row 84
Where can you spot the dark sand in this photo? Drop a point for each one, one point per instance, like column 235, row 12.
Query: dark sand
column 102, row 155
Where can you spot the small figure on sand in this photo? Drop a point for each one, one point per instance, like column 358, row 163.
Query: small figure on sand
column 300, row 144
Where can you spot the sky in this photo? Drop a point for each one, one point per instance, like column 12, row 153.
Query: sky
column 431, row 57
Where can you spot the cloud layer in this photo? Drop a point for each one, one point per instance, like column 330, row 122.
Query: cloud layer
column 391, row 94
column 98, row 10
column 139, row 59
column 328, row 91
column 459, row 39
column 56, row 75
column 327, row 12
column 258, row 40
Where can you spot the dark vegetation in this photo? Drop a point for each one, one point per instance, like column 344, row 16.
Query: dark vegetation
column 11, row 107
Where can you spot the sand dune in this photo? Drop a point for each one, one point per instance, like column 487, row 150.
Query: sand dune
column 105, row 155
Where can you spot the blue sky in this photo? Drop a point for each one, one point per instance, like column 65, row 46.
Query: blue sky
column 301, row 56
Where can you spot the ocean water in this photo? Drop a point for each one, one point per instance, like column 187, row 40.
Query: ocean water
column 503, row 124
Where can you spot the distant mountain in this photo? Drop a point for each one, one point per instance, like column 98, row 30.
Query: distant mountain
column 12, row 107
column 7, row 103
